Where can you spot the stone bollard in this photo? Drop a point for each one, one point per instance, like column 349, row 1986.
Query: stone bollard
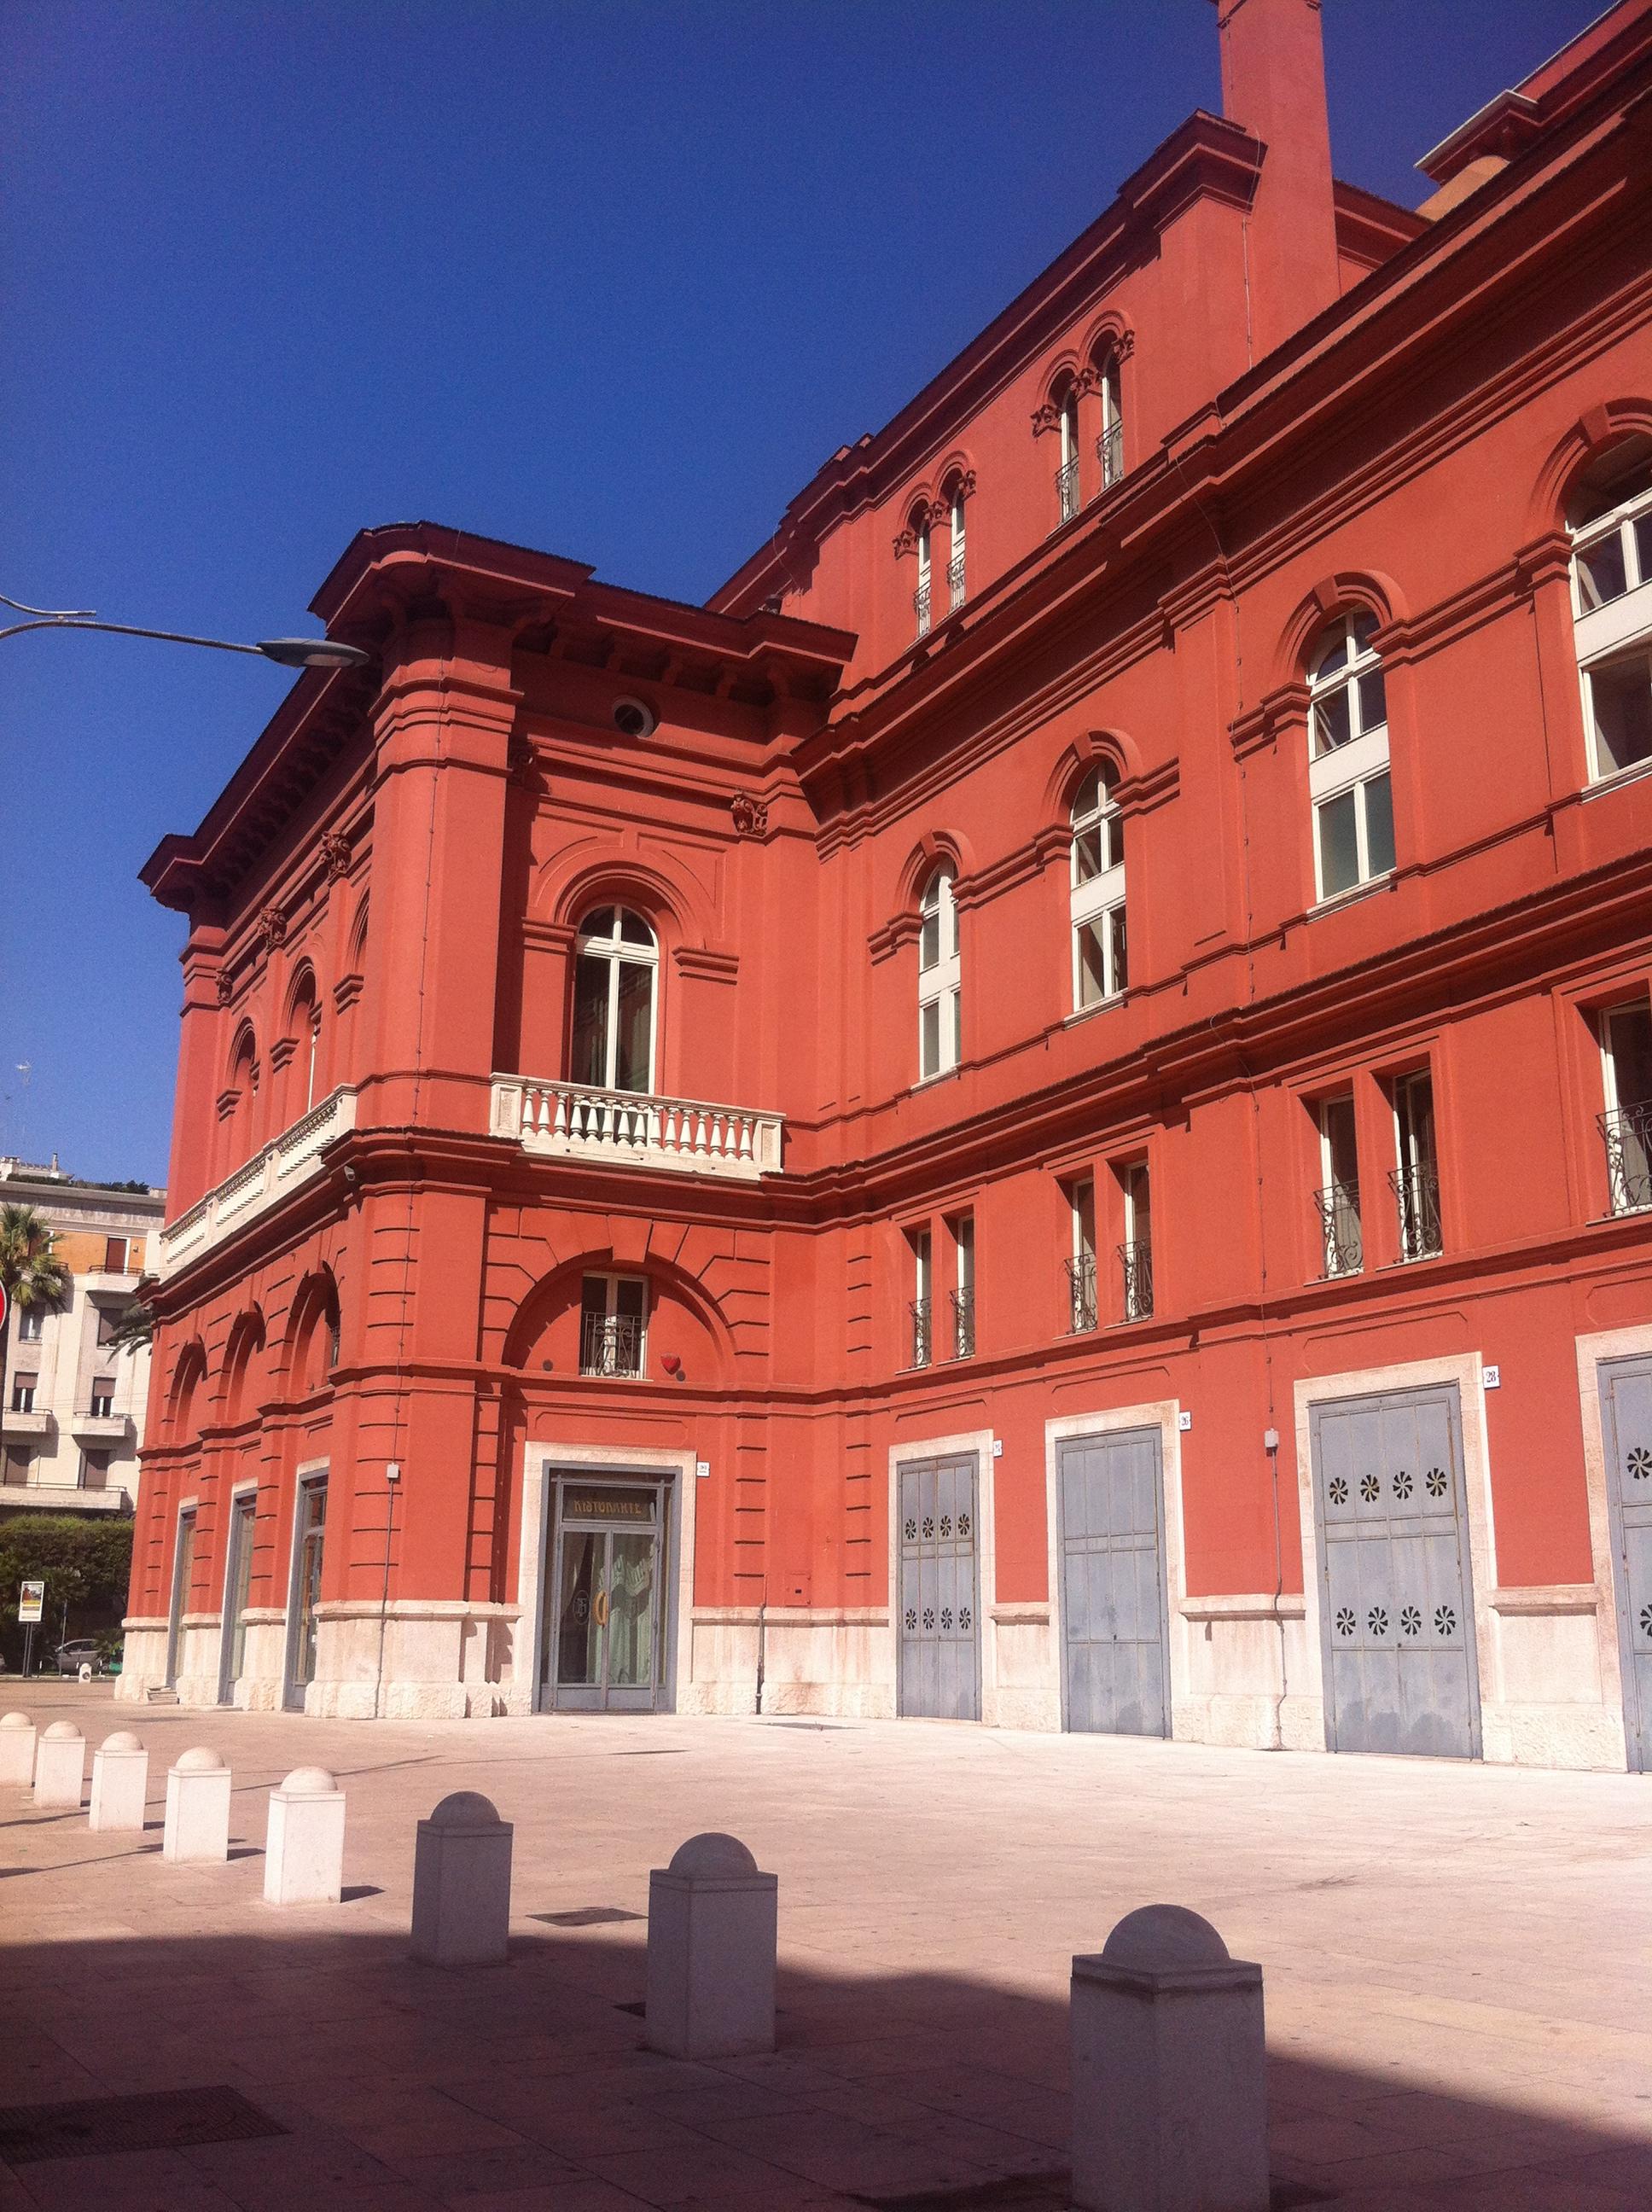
column 17, row 1734
column 197, row 1809
column 85, row 1671
column 462, row 1884
column 60, row 1765
column 304, row 1849
column 1169, row 2093
column 712, row 1927
column 121, row 1781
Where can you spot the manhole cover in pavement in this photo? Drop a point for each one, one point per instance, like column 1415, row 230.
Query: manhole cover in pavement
column 587, row 1916
column 96, row 2127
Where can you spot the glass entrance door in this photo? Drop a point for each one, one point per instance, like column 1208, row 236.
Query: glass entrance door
column 605, row 1612
column 238, row 1584
column 183, row 1573
column 309, row 1534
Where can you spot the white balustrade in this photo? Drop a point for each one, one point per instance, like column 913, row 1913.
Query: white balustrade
column 270, row 1172
column 578, row 1120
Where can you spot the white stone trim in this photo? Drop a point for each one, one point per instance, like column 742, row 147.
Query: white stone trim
column 1594, row 1350
column 533, row 1560
column 907, row 1451
column 1162, row 1414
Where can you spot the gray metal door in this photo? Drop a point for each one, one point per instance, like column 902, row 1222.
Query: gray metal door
column 1626, row 1434
column 1115, row 1644
column 1397, row 1621
column 940, row 1611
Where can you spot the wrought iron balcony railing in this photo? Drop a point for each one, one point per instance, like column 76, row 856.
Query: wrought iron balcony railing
column 955, row 580
column 1417, row 1194
column 611, row 1345
column 1137, row 1261
column 1081, row 1292
column 1338, row 1206
column 631, row 1128
column 1627, row 1134
column 921, row 1332
column 920, row 608
column 1067, row 488
column 1109, row 452
column 963, row 1324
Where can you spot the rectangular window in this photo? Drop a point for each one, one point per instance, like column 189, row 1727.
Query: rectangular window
column 613, row 1325
column 20, row 1458
column 589, row 1061
column 108, row 1323
column 1416, row 1179
column 922, row 1289
column 1627, row 1124
column 23, row 1393
column 1620, row 711
column 31, row 1324
column 1136, row 1253
column 114, row 1256
column 1081, row 1261
column 103, row 1397
column 963, row 1290
column 94, row 1470
column 1338, row 1200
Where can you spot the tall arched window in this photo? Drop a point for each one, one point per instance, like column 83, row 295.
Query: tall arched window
column 616, row 983
column 304, row 1030
column 238, row 1132
column 1109, row 442
column 1348, row 757
column 918, row 524
column 1100, row 967
column 1067, row 477
column 1611, row 606
column 940, row 987
column 954, row 563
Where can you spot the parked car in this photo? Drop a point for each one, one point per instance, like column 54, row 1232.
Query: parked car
column 80, row 1651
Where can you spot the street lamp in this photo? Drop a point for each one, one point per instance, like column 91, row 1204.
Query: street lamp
column 289, row 652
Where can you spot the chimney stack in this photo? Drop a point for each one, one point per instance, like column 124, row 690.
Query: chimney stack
column 1273, row 84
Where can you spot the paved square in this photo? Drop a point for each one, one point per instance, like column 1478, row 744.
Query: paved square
column 1455, row 1961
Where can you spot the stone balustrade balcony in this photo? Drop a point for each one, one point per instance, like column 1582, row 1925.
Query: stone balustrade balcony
column 630, row 1128
column 274, row 1170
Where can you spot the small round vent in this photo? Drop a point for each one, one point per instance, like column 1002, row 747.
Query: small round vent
column 633, row 720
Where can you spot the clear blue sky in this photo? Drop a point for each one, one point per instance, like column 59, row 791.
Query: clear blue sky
column 611, row 278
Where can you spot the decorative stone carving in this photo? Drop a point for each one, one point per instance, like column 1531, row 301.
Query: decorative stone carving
column 749, row 815
column 336, row 853
column 1046, row 417
column 906, row 541
column 226, row 987
column 272, row 927
column 521, row 763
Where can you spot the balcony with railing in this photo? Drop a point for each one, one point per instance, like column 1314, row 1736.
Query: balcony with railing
column 100, row 1424
column 1417, row 1195
column 1136, row 1264
column 955, row 582
column 1109, row 452
column 1067, row 488
column 1338, row 1207
column 1627, row 1134
column 630, row 1128
column 921, row 1332
column 963, row 1324
column 271, row 1173
column 1081, row 1292
column 611, row 1345
column 920, row 608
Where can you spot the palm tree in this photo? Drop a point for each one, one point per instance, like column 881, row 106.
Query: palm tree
column 31, row 1273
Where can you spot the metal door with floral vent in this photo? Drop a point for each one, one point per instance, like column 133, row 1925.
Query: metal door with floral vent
column 1626, row 1436
column 1397, row 1622
column 1115, row 1655
column 940, row 1612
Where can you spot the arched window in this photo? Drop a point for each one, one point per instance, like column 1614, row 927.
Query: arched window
column 1612, row 605
column 1109, row 442
column 918, row 524
column 304, row 1030
column 1067, row 477
column 238, row 1132
column 615, row 981
column 939, row 990
column 1100, row 967
column 955, row 583
column 1348, row 757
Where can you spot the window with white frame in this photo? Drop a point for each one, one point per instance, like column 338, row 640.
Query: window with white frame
column 940, row 1016
column 23, row 1393
column 31, row 1324
column 962, row 1232
column 1109, row 443
column 1416, row 1179
column 918, row 524
column 1337, row 1200
column 1348, row 759
column 955, row 583
column 616, row 988
column 923, row 1286
column 1100, row 966
column 1612, row 607
column 1081, row 1262
column 1627, row 1124
column 613, row 1325
column 1136, row 1253
column 1067, row 477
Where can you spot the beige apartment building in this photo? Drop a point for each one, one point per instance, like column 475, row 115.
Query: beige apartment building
column 73, row 1413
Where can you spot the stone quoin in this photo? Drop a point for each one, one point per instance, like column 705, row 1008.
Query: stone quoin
column 1039, row 1113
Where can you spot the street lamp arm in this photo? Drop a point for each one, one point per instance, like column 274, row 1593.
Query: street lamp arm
column 126, row 629
column 285, row 652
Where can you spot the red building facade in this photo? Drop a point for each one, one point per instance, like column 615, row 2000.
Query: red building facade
column 1042, row 1112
